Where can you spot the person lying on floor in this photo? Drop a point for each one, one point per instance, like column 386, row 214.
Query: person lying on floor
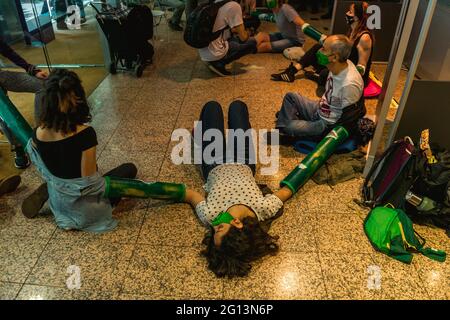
column 341, row 104
column 233, row 42
column 63, row 149
column 362, row 40
column 234, row 206
column 289, row 24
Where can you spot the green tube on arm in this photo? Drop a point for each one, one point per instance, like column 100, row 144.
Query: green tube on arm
column 132, row 188
column 16, row 123
column 306, row 169
column 313, row 33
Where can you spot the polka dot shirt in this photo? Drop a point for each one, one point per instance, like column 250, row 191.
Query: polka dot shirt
column 233, row 184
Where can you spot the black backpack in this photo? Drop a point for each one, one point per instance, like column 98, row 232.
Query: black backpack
column 433, row 182
column 200, row 23
column 391, row 176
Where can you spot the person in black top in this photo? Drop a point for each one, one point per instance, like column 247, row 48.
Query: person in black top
column 361, row 55
column 66, row 144
column 31, row 82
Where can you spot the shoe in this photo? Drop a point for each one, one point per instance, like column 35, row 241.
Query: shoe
column 218, row 69
column 21, row 161
column 175, row 27
column 311, row 75
column 35, row 201
column 287, row 75
column 9, row 184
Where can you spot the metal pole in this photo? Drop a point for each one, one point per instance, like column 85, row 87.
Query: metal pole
column 413, row 68
column 399, row 47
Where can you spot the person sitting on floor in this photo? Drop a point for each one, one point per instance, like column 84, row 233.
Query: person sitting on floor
column 361, row 55
column 233, row 43
column 341, row 104
column 289, row 24
column 63, row 149
column 235, row 206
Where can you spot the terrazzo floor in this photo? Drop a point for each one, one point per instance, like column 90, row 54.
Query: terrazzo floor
column 154, row 252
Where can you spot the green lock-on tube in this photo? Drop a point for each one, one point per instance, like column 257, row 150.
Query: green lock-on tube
column 313, row 33
column 132, row 188
column 305, row 170
column 16, row 123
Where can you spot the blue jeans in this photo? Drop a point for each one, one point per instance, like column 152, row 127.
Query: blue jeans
column 299, row 117
column 279, row 43
column 238, row 118
column 236, row 50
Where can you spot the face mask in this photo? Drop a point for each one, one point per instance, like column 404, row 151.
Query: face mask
column 322, row 59
column 349, row 19
column 223, row 217
column 271, row 4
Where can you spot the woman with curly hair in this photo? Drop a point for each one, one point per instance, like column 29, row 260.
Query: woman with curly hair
column 235, row 207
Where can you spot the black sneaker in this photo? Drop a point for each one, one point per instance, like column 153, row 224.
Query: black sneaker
column 175, row 27
column 218, row 68
column 21, row 161
column 9, row 184
column 311, row 75
column 287, row 75
column 35, row 201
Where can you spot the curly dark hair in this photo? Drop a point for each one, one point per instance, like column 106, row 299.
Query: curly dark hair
column 64, row 104
column 238, row 249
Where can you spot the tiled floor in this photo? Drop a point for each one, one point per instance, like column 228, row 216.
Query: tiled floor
column 154, row 253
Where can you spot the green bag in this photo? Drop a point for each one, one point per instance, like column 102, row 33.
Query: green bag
column 391, row 232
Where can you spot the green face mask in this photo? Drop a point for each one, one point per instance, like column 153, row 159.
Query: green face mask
column 271, row 4
column 223, row 217
column 322, row 59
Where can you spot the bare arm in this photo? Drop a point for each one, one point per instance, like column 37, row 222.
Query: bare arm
column 284, row 194
column 299, row 21
column 241, row 32
column 364, row 49
column 193, row 198
column 88, row 162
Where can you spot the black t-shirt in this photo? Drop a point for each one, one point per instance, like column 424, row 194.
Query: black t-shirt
column 63, row 158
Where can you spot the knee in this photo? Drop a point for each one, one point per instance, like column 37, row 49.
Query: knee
column 238, row 106
column 212, row 106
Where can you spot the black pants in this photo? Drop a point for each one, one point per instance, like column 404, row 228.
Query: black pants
column 252, row 23
column 238, row 118
column 126, row 171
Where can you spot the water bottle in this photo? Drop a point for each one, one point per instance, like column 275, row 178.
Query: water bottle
column 421, row 203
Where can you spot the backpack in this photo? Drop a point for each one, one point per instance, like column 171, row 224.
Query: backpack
column 200, row 23
column 391, row 176
column 433, row 182
column 391, row 231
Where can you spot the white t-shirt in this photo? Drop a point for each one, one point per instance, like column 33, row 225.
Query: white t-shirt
column 341, row 91
column 232, row 184
column 230, row 14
